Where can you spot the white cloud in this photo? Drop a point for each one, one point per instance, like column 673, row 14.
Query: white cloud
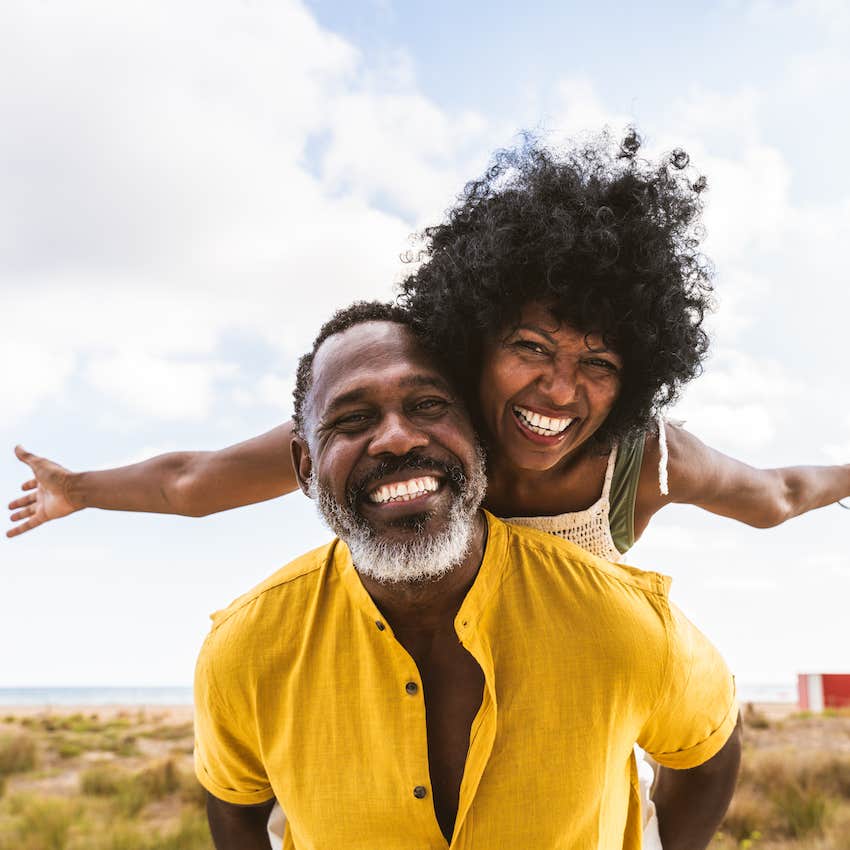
column 258, row 175
column 578, row 109
column 33, row 372
column 157, row 387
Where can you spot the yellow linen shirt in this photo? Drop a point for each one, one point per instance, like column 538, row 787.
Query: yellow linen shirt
column 300, row 694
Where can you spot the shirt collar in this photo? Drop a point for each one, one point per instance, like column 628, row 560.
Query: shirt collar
column 488, row 579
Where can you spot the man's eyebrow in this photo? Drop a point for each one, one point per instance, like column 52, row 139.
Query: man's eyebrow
column 360, row 393
column 425, row 381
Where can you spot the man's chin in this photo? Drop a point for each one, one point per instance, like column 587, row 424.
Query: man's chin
column 419, row 523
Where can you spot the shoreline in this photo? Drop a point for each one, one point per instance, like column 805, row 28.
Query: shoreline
column 183, row 712
column 174, row 713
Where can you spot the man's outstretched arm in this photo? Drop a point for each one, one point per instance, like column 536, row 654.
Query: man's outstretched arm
column 691, row 803
column 239, row 827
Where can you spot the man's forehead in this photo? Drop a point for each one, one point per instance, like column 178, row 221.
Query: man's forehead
column 371, row 353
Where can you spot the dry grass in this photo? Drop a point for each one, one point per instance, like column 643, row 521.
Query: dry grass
column 77, row 784
column 89, row 782
column 18, row 754
column 794, row 788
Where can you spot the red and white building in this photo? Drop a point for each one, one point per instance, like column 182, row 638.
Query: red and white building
column 818, row 691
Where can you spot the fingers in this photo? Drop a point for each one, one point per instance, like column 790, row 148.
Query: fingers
column 22, row 454
column 29, row 485
column 22, row 502
column 22, row 514
column 20, row 529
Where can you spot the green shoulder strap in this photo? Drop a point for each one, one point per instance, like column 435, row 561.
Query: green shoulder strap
column 624, row 490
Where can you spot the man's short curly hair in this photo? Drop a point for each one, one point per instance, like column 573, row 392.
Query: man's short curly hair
column 355, row 314
column 606, row 240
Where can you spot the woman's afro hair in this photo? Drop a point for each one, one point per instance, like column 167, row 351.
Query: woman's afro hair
column 605, row 239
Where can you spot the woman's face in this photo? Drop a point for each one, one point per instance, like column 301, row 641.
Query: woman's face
column 545, row 389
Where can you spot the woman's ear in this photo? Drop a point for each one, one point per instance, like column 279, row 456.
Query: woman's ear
column 301, row 463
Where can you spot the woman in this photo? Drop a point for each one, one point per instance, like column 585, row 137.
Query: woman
column 569, row 294
column 566, row 287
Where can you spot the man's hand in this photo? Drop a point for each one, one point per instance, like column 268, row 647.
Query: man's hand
column 691, row 803
column 239, row 827
column 46, row 497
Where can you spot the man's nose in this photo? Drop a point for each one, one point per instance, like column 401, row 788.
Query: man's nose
column 397, row 435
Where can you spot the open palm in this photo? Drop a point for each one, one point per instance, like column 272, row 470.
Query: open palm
column 45, row 497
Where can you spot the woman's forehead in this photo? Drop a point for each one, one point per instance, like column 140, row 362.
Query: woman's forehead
column 539, row 316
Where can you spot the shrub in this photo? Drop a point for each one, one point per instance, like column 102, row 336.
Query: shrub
column 755, row 719
column 748, row 815
column 801, row 811
column 18, row 754
column 39, row 823
column 170, row 733
column 102, row 780
column 68, row 749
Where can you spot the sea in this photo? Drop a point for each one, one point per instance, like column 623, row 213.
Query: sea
column 175, row 695
column 48, row 696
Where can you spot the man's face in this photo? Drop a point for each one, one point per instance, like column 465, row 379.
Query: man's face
column 396, row 468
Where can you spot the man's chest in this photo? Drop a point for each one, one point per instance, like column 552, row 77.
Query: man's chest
column 376, row 749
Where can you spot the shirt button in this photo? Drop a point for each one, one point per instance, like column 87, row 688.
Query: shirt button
column 419, row 792
column 380, row 625
column 411, row 688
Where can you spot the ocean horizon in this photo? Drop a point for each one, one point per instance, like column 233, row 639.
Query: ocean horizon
column 182, row 695
column 96, row 695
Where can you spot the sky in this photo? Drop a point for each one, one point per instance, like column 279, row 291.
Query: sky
column 188, row 190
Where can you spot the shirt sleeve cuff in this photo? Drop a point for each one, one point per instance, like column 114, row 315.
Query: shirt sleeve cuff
column 705, row 749
column 231, row 795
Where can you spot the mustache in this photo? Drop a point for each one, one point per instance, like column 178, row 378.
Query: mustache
column 453, row 473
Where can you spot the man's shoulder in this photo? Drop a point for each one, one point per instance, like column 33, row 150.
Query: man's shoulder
column 281, row 589
column 557, row 558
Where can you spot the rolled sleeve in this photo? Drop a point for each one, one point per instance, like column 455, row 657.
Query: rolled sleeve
column 227, row 759
column 697, row 709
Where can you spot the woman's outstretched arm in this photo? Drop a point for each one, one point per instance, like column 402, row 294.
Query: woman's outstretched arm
column 702, row 476
column 187, row 483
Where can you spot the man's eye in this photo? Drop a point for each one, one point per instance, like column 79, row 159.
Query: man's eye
column 430, row 405
column 351, row 420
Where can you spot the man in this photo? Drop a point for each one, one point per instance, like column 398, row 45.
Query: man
column 441, row 678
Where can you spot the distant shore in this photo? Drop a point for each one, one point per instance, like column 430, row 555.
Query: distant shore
column 183, row 713
column 162, row 713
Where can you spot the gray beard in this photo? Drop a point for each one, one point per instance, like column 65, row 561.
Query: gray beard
column 424, row 557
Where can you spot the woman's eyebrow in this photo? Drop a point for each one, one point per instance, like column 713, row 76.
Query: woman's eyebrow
column 537, row 330
column 603, row 349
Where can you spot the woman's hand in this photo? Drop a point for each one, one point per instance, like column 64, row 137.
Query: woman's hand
column 45, row 497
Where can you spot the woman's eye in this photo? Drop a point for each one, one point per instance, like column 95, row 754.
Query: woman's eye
column 598, row 362
column 530, row 345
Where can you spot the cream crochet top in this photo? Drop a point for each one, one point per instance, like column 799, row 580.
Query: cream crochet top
column 591, row 527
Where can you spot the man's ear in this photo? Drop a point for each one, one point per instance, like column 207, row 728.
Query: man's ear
column 301, row 463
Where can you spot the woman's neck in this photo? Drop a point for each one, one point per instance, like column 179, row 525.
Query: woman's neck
column 573, row 485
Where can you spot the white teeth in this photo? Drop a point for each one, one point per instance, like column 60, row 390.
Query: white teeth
column 546, row 426
column 404, row 491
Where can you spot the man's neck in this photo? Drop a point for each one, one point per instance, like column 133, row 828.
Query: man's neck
column 427, row 605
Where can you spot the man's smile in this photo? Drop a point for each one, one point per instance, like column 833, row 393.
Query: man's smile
column 404, row 491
